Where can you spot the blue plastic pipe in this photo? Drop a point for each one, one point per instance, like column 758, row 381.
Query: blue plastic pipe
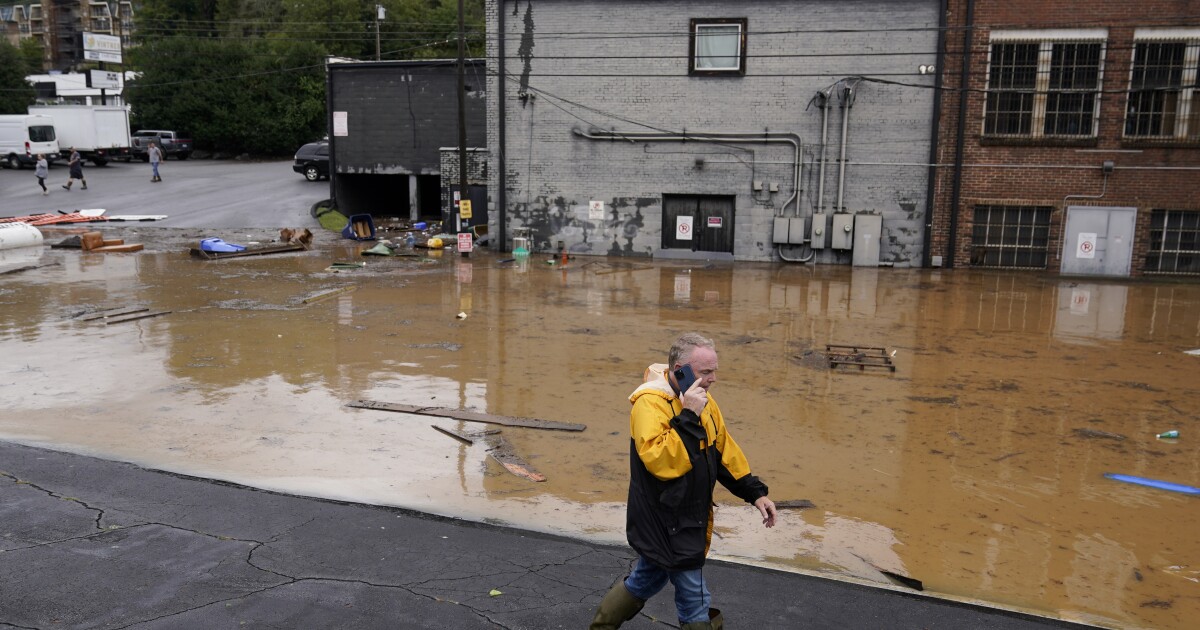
column 1154, row 483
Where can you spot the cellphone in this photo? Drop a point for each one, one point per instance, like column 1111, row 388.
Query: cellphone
column 685, row 377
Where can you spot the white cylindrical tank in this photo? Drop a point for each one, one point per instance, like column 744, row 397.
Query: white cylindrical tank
column 14, row 235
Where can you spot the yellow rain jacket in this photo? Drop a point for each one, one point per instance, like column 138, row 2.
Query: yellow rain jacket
column 675, row 460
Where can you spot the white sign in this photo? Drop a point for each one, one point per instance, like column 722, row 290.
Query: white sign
column 683, row 288
column 101, row 47
column 714, row 222
column 683, row 228
column 104, row 79
column 1081, row 300
column 341, row 126
column 465, row 242
column 595, row 210
column 1087, row 245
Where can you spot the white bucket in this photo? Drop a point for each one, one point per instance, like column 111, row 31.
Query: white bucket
column 14, row 235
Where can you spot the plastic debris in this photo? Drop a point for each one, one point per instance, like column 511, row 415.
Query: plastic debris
column 462, row 315
column 1154, row 483
column 1168, row 435
column 495, row 593
column 1195, row 353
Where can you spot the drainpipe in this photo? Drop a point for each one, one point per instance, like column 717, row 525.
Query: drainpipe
column 847, row 103
column 956, row 195
column 502, row 174
column 824, row 96
column 931, row 188
column 741, row 137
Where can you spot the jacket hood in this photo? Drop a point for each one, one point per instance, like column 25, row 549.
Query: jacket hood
column 654, row 381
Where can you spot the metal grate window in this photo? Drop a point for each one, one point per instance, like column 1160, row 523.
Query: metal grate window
column 1161, row 90
column 1011, row 236
column 1038, row 89
column 1174, row 243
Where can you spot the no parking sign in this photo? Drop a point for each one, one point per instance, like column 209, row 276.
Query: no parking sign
column 683, row 228
column 1086, row 248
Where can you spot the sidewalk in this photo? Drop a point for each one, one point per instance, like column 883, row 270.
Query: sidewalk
column 89, row 543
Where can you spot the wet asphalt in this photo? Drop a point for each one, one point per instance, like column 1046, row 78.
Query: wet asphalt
column 90, row 543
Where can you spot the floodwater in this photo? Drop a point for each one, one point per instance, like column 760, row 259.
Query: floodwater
column 977, row 467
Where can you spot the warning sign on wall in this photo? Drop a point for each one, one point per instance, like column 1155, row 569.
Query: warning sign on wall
column 714, row 222
column 683, row 228
column 1087, row 245
column 595, row 210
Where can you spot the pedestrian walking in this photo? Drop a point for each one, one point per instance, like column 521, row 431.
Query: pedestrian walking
column 42, row 171
column 155, row 154
column 75, row 164
column 680, row 447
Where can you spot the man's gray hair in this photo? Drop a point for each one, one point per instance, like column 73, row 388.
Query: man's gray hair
column 681, row 350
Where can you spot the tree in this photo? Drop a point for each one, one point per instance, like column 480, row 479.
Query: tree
column 16, row 94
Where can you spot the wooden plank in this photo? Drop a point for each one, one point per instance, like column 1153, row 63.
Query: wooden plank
column 798, row 504
column 129, row 318
column 462, row 436
column 502, row 452
column 328, row 294
column 118, row 249
column 469, row 416
column 124, row 310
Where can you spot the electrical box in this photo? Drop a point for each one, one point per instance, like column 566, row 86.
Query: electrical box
column 867, row 233
column 796, row 231
column 780, row 235
column 841, row 235
column 819, row 227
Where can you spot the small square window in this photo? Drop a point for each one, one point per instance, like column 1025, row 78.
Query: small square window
column 718, row 47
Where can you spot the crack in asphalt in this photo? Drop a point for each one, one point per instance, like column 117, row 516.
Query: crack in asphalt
column 521, row 572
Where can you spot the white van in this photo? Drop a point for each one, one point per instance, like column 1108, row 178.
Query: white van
column 24, row 136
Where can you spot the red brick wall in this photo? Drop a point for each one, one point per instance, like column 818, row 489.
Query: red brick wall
column 1042, row 173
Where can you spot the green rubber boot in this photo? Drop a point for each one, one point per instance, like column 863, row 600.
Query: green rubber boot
column 715, row 622
column 617, row 607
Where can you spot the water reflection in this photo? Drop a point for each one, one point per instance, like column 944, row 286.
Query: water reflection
column 977, row 467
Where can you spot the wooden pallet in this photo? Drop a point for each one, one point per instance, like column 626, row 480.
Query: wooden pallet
column 862, row 357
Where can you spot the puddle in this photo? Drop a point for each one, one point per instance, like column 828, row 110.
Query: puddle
column 977, row 467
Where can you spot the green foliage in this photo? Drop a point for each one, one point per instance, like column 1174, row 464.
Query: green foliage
column 33, row 54
column 15, row 93
column 248, row 75
column 233, row 95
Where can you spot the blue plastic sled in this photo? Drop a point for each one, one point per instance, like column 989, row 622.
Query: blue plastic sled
column 1154, row 483
column 218, row 245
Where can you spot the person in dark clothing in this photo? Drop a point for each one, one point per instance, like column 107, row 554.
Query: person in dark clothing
column 679, row 449
column 75, row 164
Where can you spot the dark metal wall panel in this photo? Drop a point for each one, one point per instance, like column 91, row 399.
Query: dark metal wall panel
column 400, row 113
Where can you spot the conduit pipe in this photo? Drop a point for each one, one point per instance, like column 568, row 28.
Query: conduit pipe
column 824, row 96
column 742, row 137
column 847, row 103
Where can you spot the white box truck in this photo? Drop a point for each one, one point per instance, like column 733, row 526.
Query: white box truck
column 99, row 132
column 23, row 137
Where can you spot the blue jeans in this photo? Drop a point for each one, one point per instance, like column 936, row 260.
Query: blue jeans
column 691, row 594
column 154, row 165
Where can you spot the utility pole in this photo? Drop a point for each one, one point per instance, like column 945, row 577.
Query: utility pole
column 462, row 119
column 380, row 13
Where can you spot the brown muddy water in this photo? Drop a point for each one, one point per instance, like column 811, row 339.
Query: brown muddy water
column 977, row 467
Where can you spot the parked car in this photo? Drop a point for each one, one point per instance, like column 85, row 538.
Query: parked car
column 312, row 160
column 173, row 143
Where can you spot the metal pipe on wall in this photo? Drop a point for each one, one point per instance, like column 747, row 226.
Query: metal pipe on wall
column 502, row 136
column 847, row 103
column 824, row 96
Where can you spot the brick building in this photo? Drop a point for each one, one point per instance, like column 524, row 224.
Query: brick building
column 759, row 130
column 1077, row 148
column 58, row 25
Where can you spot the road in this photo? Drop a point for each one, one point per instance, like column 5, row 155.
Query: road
column 193, row 193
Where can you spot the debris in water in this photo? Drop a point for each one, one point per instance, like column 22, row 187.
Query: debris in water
column 1168, row 435
column 462, row 315
column 1195, row 353
column 469, row 416
column 1154, row 483
column 1103, row 435
column 797, row 504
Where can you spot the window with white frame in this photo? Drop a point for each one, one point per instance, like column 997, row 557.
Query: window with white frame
column 1174, row 242
column 1162, row 83
column 718, row 46
column 1044, row 84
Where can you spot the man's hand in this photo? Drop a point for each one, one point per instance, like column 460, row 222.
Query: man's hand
column 766, row 507
column 695, row 398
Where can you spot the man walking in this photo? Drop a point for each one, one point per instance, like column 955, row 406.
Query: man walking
column 679, row 448
column 155, row 154
column 75, row 165
column 42, row 171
